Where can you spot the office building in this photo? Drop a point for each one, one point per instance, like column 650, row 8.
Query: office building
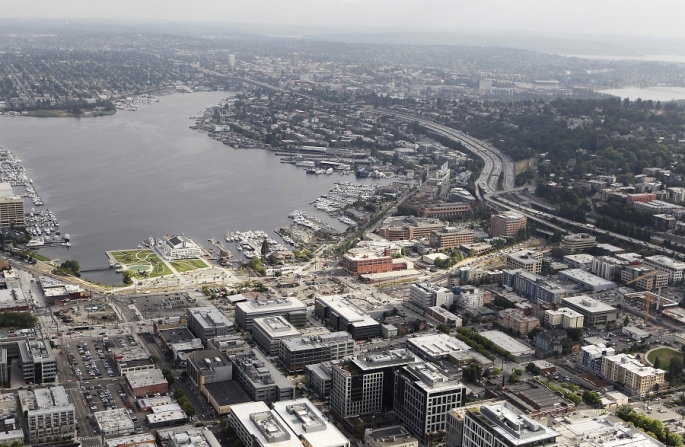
column 444, row 316
column 435, row 347
column 451, row 237
column 580, row 261
column 607, row 267
column 209, row 366
column 365, row 385
column 636, row 378
column 517, row 321
column 363, row 261
column 259, row 378
column 655, row 281
column 408, row 228
column 665, row 264
column 317, row 377
column 38, row 363
column 537, row 288
column 395, row 436
column 11, row 207
column 528, row 260
column 424, row 394
column 228, row 344
column 503, row 425
column 181, row 342
column 424, row 295
column 308, row 423
column 575, row 243
column 340, row 314
column 208, row 322
column 142, row 383
column 114, row 422
column 507, row 224
column 267, row 333
column 48, row 414
column 563, row 317
column 297, row 352
column 595, row 313
column 292, row 309
column 231, row 60
column 586, row 280
column 258, row 426
column 446, row 210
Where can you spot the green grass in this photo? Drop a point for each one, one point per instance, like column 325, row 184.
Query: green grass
column 132, row 257
column 665, row 355
column 187, row 265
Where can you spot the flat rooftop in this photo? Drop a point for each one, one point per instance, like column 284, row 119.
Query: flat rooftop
column 602, row 431
column 210, row 316
column 436, row 345
column 382, row 359
column 264, row 425
column 227, row 393
column 271, row 305
column 584, row 277
column 666, row 262
column 307, row 422
column 584, row 303
column 297, row 343
column 345, row 308
column 506, row 342
column 110, row 420
column 176, row 335
column 146, row 377
column 276, row 327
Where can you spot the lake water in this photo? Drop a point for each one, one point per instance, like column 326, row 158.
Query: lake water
column 115, row 181
column 663, row 94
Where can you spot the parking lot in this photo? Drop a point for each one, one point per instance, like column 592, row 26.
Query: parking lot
column 89, row 360
column 167, row 305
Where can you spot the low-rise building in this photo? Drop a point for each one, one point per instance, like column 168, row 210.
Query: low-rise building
column 669, row 265
column 192, row 437
column 297, row 352
column 580, row 261
column 636, row 378
column 575, row 243
column 508, row 343
column 222, row 395
column 435, row 347
column 444, row 316
column 142, row 383
column 114, row 422
column 180, row 247
column 586, row 280
column 38, row 363
column 165, row 416
column 635, row 333
column 208, row 366
column 360, row 262
column 130, row 359
column 267, row 333
column 228, row 344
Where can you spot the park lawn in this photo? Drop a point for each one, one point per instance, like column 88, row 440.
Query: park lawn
column 144, row 257
column 665, row 355
column 187, row 265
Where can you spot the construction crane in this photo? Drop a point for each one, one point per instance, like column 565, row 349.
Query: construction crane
column 648, row 295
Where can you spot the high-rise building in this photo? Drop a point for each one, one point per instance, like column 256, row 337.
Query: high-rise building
column 231, row 60
column 424, row 393
column 295, row 60
column 11, row 207
column 365, row 385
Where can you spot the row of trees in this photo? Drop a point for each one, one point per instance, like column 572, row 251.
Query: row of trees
column 18, row 320
column 482, row 345
column 184, row 402
column 624, row 228
column 653, row 427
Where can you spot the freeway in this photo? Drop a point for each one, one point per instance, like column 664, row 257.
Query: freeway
column 496, row 162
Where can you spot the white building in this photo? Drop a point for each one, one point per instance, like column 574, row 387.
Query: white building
column 607, row 267
column 49, row 414
column 258, row 426
column 425, row 295
column 563, row 317
column 180, row 247
column 309, row 424
column 395, row 436
column 525, row 259
column 114, row 422
column 636, row 378
column 267, row 333
column 665, row 264
column 208, row 322
column 508, row 343
column 434, row 347
column 580, row 261
column 470, row 297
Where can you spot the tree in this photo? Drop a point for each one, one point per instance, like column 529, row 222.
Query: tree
column 442, row 327
column 592, row 397
column 265, row 249
column 626, row 321
column 533, row 368
column 574, row 334
column 657, row 362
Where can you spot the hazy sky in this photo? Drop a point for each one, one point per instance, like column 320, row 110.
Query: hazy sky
column 617, row 17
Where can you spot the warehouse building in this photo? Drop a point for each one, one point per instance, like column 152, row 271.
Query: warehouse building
column 143, row 383
column 586, row 280
column 508, row 343
column 291, row 309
